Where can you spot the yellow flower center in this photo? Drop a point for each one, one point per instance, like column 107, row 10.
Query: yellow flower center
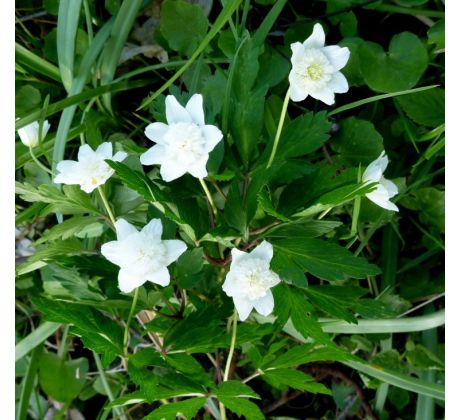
column 315, row 71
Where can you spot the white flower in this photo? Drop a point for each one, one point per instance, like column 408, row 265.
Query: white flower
column 385, row 188
column 91, row 170
column 183, row 145
column 142, row 256
column 249, row 280
column 315, row 68
column 29, row 133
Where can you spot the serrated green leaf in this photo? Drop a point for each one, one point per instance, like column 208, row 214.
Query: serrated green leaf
column 282, row 378
column 235, row 389
column 242, row 407
column 187, row 408
column 425, row 108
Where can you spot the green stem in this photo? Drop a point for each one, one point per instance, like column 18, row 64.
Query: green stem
column 128, row 322
column 39, row 164
column 209, row 197
column 229, row 359
column 280, row 127
column 62, row 351
column 356, row 208
column 106, row 204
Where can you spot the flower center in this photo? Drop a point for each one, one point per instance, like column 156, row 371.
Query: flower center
column 185, row 142
column 315, row 71
column 255, row 278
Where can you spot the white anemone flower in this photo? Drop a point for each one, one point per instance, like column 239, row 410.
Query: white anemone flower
column 91, row 170
column 249, row 280
column 315, row 68
column 386, row 189
column 29, row 134
column 183, row 145
column 142, row 256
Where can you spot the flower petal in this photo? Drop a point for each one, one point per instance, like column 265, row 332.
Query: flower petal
column 156, row 131
column 297, row 93
column 174, row 248
column 68, row 172
column 338, row 83
column 380, row 197
column 195, row 108
column 237, row 255
column 390, row 186
column 297, row 51
column 111, row 251
column 45, row 128
column 160, row 277
column 338, row 56
column 84, row 152
column 230, row 286
column 124, row 229
column 128, row 281
column 375, row 170
column 316, row 39
column 171, row 170
column 264, row 251
column 198, row 169
column 264, row 305
column 212, row 135
column 175, row 112
column 105, row 150
column 154, row 156
column 324, row 95
column 153, row 229
column 119, row 156
column 243, row 306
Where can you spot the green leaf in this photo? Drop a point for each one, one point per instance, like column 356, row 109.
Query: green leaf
column 235, row 389
column 97, row 331
column 70, row 227
column 282, row 378
column 60, row 379
column 36, row 64
column 304, row 135
column 35, row 338
column 352, row 71
column 398, row 69
column 189, row 18
column 27, row 98
column 357, row 142
column 242, row 407
column 323, row 259
column 303, row 228
column 425, row 108
column 187, row 408
column 436, row 34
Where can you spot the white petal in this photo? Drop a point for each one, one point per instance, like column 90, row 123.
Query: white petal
column 198, row 169
column 153, row 229
column 128, row 281
column 338, row 56
column 124, row 229
column 237, row 255
column 160, row 277
column 29, row 134
column 88, row 186
column 264, row 251
column 175, row 112
column 264, row 305
column 111, row 251
column 154, row 156
column 316, row 39
column 45, row 128
column 68, row 172
column 230, row 286
column 390, row 186
column 84, row 151
column 297, row 51
column 195, row 108
column 156, row 131
column 338, row 83
column 324, row 95
column 381, row 198
column 212, row 135
column 297, row 93
column 175, row 248
column 119, row 156
column 375, row 170
column 105, row 150
column 243, row 306
column 171, row 170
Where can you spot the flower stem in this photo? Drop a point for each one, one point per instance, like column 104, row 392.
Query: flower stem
column 229, row 359
column 128, row 322
column 39, row 164
column 356, row 208
column 209, row 197
column 106, row 204
column 280, row 127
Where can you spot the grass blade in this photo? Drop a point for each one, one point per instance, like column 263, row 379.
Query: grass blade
column 35, row 338
column 27, row 384
column 67, row 25
column 120, row 31
column 34, row 63
column 224, row 15
column 377, row 98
